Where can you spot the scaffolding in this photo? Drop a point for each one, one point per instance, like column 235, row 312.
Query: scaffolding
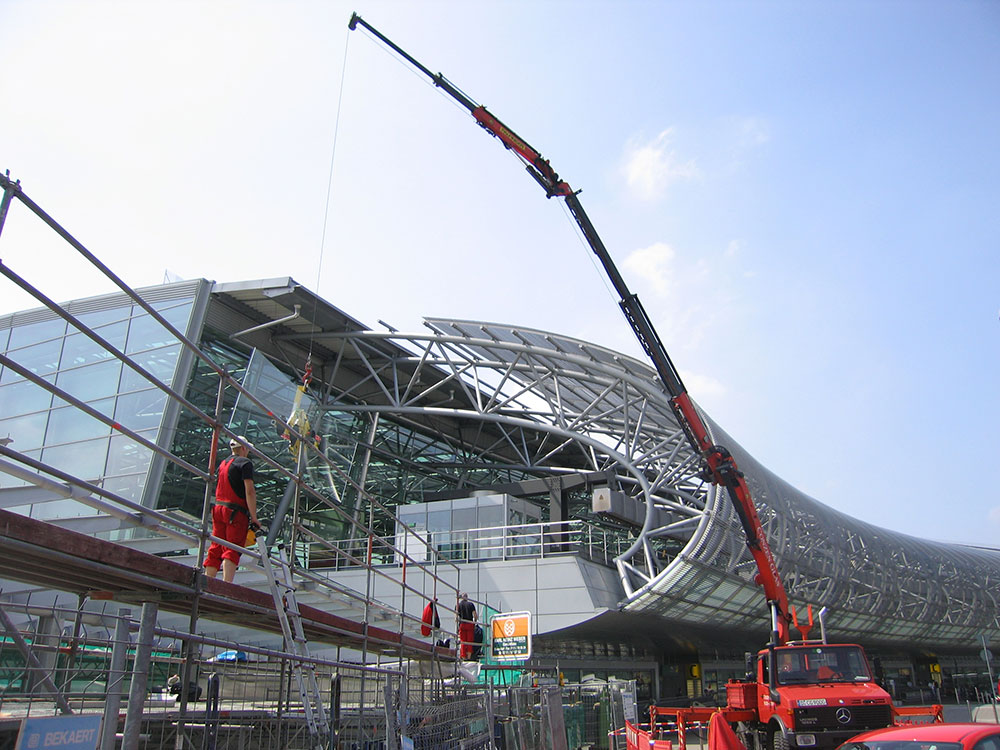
column 93, row 656
column 128, row 673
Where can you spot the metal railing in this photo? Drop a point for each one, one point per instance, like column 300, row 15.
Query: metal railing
column 519, row 541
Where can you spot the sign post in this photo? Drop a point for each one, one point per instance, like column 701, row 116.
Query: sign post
column 511, row 636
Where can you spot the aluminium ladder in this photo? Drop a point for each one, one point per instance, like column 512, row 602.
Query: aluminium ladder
column 287, row 608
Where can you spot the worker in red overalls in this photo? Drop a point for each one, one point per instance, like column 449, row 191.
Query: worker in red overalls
column 466, row 626
column 235, row 510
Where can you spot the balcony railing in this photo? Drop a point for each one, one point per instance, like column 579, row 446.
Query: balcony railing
column 530, row 540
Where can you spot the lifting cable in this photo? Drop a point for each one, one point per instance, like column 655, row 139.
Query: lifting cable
column 298, row 420
column 329, row 189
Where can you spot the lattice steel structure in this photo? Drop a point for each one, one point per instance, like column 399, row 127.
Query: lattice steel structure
column 545, row 404
column 469, row 405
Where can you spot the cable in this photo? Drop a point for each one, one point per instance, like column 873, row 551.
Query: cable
column 578, row 233
column 329, row 190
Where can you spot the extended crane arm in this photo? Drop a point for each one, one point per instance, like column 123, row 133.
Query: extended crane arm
column 719, row 464
column 537, row 166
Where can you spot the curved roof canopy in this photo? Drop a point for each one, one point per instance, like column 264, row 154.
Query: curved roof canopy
column 545, row 404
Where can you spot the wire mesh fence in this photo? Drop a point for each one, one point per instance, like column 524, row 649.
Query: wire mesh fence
column 153, row 688
column 570, row 716
column 185, row 690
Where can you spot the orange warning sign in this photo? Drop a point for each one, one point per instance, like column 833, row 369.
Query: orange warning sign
column 511, row 633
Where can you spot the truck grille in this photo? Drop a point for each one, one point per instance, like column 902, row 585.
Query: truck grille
column 849, row 717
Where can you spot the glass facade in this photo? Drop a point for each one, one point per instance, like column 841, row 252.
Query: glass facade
column 396, row 463
column 60, row 433
column 483, row 527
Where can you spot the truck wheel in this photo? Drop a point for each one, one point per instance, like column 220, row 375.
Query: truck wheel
column 778, row 740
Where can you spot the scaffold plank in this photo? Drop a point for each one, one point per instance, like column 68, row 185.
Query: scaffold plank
column 42, row 554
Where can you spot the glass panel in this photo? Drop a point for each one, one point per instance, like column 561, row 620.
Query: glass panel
column 415, row 515
column 4, row 336
column 79, row 349
column 141, row 410
column 438, row 524
column 8, row 480
column 464, row 518
column 177, row 312
column 23, row 397
column 126, row 456
column 91, row 382
column 28, row 432
column 146, row 333
column 129, row 487
column 40, row 359
column 271, row 387
column 159, row 363
column 102, row 318
column 60, row 509
column 82, row 460
column 438, row 520
column 67, row 424
column 36, row 332
column 490, row 515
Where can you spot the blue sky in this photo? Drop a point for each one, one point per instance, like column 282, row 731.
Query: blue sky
column 803, row 194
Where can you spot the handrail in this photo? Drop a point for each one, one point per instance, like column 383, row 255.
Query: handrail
column 515, row 541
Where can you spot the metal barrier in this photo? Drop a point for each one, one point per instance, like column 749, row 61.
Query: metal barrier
column 240, row 695
column 237, row 695
column 553, row 717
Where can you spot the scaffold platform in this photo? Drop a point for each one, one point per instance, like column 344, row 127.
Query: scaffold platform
column 39, row 553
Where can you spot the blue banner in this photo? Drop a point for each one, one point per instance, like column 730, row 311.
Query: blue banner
column 60, row 732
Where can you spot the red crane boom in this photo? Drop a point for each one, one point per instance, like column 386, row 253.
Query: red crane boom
column 718, row 462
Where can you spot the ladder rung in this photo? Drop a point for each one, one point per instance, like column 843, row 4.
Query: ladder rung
column 287, row 609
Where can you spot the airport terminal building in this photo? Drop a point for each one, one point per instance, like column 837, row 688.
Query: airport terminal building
column 536, row 472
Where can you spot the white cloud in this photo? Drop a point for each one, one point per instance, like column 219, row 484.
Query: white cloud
column 655, row 265
column 752, row 131
column 702, row 297
column 651, row 168
column 705, row 386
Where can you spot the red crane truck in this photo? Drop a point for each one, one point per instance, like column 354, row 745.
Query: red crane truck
column 798, row 693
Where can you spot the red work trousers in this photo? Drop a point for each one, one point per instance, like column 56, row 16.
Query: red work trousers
column 466, row 634
column 232, row 526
